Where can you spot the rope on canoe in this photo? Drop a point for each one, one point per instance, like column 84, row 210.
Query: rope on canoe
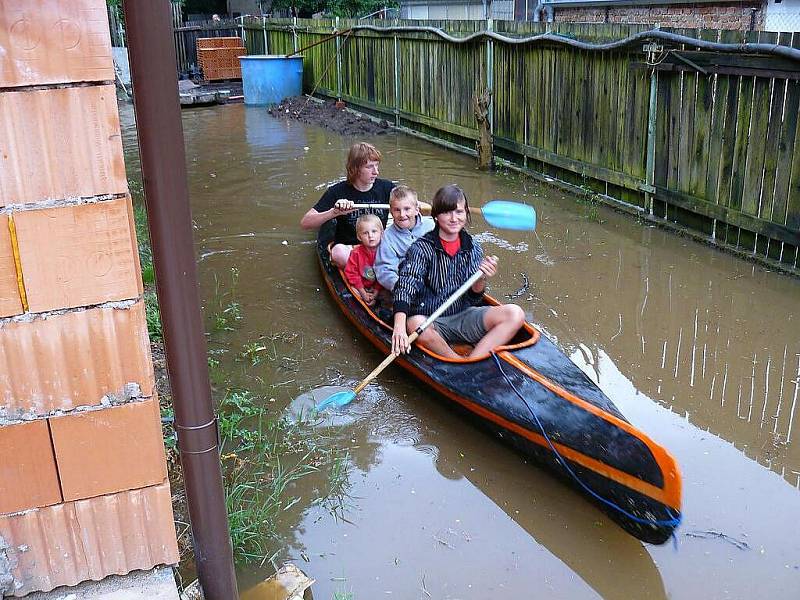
column 673, row 522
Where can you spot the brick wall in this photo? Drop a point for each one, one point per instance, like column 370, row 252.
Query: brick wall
column 741, row 15
column 83, row 489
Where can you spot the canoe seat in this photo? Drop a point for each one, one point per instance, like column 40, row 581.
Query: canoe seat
column 462, row 349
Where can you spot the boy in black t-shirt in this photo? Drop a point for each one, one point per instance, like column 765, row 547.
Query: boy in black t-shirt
column 361, row 187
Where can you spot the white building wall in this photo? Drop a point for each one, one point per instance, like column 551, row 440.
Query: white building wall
column 783, row 16
column 499, row 9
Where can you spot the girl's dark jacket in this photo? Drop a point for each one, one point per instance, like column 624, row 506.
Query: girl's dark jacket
column 429, row 276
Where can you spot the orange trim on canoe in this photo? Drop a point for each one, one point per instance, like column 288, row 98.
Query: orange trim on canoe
column 665, row 460
column 532, row 331
column 669, row 496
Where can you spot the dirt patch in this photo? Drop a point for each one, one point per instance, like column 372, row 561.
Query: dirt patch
column 327, row 115
column 179, row 507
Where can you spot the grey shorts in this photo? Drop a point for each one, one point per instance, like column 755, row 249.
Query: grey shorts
column 464, row 327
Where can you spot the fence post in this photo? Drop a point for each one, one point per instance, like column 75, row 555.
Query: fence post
column 244, row 34
column 490, row 77
column 294, row 32
column 338, row 60
column 396, row 81
column 264, row 26
column 651, row 141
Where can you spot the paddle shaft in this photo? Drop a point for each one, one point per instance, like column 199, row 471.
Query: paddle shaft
column 418, row 331
column 472, row 209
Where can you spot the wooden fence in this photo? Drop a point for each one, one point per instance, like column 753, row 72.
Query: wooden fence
column 705, row 140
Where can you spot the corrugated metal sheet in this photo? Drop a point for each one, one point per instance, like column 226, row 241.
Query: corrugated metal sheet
column 89, row 539
column 72, row 359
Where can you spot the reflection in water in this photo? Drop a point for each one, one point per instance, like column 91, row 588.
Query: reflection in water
column 574, row 533
column 699, row 349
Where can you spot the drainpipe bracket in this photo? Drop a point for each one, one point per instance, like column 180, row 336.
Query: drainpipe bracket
column 198, row 439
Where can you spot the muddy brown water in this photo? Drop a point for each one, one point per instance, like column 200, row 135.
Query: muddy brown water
column 699, row 349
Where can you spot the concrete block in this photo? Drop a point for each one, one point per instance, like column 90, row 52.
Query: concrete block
column 54, row 41
column 77, row 358
column 78, row 255
column 10, row 302
column 158, row 584
column 28, row 475
column 109, row 450
column 60, row 143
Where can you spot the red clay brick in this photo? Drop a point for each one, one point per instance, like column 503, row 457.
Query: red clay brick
column 90, row 539
column 60, row 143
column 78, row 255
column 54, row 41
column 109, row 450
column 10, row 303
column 73, row 359
column 28, row 477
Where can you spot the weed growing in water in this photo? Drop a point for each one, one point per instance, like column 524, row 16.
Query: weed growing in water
column 590, row 200
column 226, row 311
column 262, row 457
column 253, row 353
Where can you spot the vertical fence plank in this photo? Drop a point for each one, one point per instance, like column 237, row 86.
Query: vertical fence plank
column 722, row 142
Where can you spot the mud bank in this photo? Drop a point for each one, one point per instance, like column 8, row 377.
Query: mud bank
column 327, row 115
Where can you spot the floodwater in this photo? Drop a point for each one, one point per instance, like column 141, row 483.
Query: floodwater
column 699, row 349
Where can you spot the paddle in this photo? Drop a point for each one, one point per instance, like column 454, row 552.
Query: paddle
column 503, row 214
column 341, row 398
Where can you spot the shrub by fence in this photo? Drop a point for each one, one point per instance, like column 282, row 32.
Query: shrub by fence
column 703, row 138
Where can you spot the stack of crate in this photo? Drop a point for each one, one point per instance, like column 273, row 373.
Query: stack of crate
column 218, row 58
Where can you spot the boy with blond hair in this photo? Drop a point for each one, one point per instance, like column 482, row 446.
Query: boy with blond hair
column 408, row 225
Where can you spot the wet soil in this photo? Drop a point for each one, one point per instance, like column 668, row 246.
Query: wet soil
column 328, row 114
column 180, row 509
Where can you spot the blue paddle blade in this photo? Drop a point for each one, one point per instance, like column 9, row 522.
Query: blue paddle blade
column 336, row 400
column 505, row 214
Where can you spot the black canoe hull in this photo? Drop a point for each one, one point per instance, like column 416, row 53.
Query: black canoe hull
column 608, row 457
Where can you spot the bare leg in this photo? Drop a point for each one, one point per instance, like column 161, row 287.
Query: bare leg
column 430, row 338
column 339, row 255
column 501, row 322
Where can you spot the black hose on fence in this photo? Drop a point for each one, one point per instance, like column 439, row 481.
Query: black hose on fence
column 652, row 34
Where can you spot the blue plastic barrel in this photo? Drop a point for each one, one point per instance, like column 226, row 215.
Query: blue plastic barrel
column 268, row 79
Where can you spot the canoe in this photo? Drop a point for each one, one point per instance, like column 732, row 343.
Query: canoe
column 533, row 397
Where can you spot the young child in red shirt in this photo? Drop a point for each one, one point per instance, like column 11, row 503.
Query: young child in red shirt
column 360, row 272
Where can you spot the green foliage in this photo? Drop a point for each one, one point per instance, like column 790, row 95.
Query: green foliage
column 262, row 457
column 224, row 314
column 153, row 316
column 338, row 8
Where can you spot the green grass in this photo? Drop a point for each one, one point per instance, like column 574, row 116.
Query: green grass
column 153, row 316
column 262, row 459
column 262, row 456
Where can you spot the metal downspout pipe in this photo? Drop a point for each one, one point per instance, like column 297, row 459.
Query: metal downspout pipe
column 163, row 157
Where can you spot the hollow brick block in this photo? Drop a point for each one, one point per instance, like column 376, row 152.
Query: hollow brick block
column 73, row 359
column 28, row 475
column 60, row 143
column 54, row 41
column 78, row 255
column 109, row 450
column 89, row 539
column 10, row 303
